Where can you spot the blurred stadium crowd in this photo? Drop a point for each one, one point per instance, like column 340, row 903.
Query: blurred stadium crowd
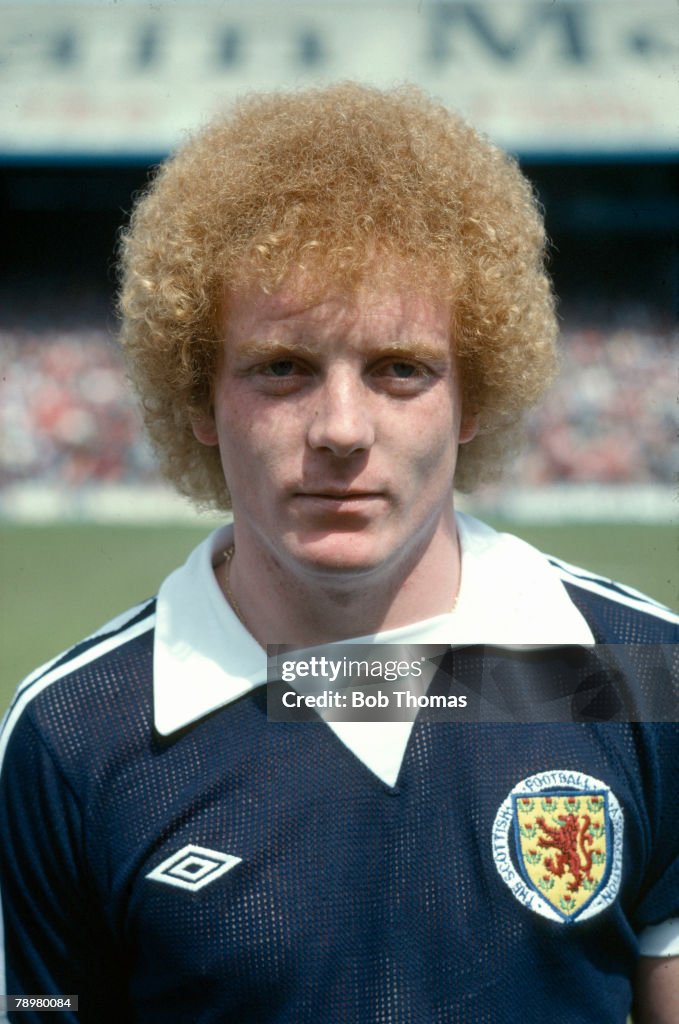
column 68, row 415
column 611, row 417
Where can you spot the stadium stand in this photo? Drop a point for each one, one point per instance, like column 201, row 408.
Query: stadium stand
column 597, row 138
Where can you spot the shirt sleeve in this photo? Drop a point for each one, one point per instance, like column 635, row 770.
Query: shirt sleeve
column 54, row 940
column 660, row 939
column 656, row 915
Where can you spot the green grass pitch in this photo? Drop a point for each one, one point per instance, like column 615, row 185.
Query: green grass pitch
column 61, row 582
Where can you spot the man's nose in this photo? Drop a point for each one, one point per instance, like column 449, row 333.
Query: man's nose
column 341, row 420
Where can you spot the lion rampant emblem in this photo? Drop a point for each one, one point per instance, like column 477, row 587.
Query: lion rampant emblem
column 574, row 843
column 562, row 846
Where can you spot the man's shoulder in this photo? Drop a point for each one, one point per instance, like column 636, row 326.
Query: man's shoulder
column 81, row 689
column 616, row 613
column 528, row 596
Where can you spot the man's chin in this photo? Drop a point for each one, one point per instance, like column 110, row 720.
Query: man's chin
column 340, row 557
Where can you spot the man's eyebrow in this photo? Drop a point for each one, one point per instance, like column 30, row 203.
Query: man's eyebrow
column 415, row 348
column 267, row 347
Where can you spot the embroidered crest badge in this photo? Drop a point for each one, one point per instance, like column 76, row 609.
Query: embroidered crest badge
column 557, row 844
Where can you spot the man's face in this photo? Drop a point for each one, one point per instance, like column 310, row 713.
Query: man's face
column 338, row 424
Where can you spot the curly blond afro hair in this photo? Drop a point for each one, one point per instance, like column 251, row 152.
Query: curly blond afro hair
column 337, row 182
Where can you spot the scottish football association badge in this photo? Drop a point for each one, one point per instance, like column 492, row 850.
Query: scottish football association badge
column 557, row 844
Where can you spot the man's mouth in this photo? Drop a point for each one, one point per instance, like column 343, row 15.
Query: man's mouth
column 339, row 493
column 332, row 497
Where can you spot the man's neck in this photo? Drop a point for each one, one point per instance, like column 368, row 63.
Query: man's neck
column 301, row 609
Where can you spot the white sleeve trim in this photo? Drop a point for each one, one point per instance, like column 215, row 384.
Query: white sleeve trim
column 661, row 939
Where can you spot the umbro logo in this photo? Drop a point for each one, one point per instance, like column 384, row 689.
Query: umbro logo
column 192, row 867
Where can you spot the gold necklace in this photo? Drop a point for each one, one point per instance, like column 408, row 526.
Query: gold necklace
column 228, row 555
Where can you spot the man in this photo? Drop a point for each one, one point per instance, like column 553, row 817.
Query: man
column 334, row 305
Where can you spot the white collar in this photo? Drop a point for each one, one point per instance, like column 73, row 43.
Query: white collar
column 204, row 658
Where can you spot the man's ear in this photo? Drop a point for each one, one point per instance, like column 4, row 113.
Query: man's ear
column 205, row 429
column 469, row 427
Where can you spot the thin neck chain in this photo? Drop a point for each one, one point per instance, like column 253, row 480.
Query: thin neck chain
column 228, row 555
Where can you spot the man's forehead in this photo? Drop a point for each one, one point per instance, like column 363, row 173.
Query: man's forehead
column 399, row 305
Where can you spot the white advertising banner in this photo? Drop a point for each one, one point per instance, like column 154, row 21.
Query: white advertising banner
column 127, row 79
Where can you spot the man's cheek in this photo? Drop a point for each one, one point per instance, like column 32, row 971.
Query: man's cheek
column 430, row 454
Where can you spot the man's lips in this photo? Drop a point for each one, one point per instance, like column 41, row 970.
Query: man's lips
column 339, row 495
column 330, row 498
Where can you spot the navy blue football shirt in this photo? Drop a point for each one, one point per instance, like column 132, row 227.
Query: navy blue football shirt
column 170, row 854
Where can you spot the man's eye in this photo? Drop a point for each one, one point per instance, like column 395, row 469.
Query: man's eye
column 403, row 370
column 403, row 377
column 280, row 368
column 399, row 369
